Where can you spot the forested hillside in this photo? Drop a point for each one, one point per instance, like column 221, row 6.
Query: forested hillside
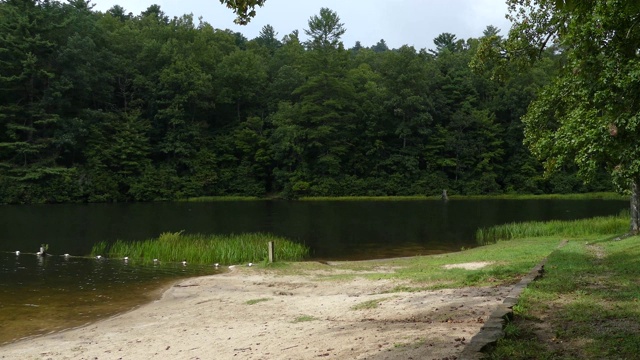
column 120, row 107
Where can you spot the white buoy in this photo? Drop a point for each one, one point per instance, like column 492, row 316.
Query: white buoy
column 17, row 252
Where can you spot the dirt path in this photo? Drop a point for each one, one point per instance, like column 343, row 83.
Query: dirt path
column 250, row 314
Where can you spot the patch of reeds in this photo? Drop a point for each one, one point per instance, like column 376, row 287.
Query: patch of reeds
column 603, row 225
column 368, row 198
column 581, row 196
column 204, row 249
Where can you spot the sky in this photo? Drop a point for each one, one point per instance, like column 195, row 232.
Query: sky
column 399, row 22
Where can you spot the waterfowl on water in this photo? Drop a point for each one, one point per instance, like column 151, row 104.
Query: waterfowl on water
column 250, row 264
column 18, row 252
column 216, row 264
column 66, row 255
column 98, row 257
column 184, row 262
column 155, row 260
column 126, row 258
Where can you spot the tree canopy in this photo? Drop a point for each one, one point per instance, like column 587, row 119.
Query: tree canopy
column 244, row 9
column 112, row 106
column 588, row 116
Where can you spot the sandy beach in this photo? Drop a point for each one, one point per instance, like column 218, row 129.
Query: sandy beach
column 250, row 313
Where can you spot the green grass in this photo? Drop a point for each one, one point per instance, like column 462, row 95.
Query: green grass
column 584, row 196
column 509, row 261
column 255, row 301
column 413, row 345
column 587, row 306
column 220, row 198
column 371, row 304
column 368, row 198
column 570, row 229
column 205, row 249
column 581, row 196
column 304, row 318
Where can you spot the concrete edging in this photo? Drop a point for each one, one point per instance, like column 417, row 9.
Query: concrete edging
column 493, row 328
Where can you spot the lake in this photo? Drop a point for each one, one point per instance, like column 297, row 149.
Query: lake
column 333, row 229
column 38, row 295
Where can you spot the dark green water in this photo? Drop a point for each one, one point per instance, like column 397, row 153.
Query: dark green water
column 38, row 295
column 333, row 229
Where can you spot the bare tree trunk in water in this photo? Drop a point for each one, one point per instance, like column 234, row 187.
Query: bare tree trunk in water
column 635, row 203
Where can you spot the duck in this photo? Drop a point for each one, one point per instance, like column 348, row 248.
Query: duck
column 250, row 264
column 98, row 257
column 216, row 265
column 18, row 252
column 126, row 258
column 184, row 262
column 66, row 255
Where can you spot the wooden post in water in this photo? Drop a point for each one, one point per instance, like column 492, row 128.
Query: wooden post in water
column 271, row 258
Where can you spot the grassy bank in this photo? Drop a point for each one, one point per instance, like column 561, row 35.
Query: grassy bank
column 571, row 229
column 368, row 198
column 506, row 263
column 585, row 196
column 220, row 198
column 204, row 249
column 582, row 196
column 587, row 306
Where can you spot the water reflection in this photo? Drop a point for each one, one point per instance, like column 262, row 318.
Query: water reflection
column 40, row 294
column 333, row 229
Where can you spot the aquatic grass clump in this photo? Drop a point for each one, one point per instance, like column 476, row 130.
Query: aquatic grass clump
column 205, row 249
column 602, row 225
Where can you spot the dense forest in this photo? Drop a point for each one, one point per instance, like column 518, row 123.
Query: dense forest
column 113, row 106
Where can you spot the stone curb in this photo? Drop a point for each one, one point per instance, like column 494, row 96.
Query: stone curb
column 493, row 328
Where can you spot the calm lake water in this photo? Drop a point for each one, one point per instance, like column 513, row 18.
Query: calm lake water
column 39, row 295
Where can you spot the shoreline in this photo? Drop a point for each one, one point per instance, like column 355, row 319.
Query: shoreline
column 255, row 314
column 149, row 297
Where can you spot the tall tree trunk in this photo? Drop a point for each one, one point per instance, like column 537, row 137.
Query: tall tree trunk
column 635, row 206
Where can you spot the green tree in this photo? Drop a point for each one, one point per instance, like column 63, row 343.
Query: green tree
column 325, row 30
column 242, row 78
column 30, row 32
column 588, row 115
column 244, row 9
